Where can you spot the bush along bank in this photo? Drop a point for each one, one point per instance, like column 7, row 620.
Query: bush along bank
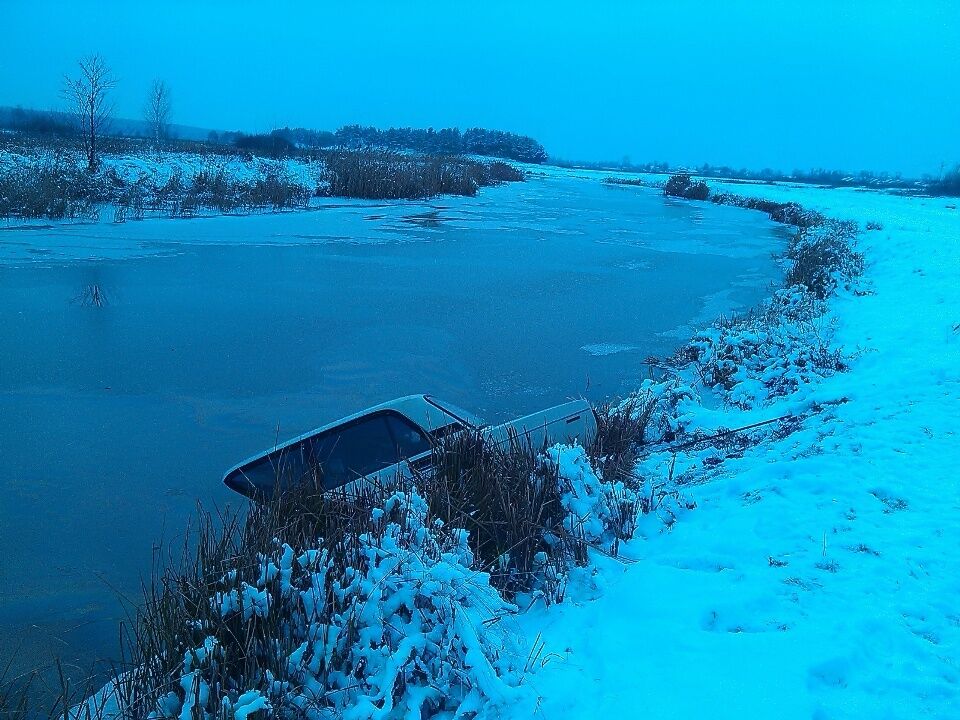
column 780, row 349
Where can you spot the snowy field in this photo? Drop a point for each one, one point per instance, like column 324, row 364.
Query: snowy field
column 819, row 574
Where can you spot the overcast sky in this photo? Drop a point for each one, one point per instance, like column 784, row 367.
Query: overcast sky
column 868, row 85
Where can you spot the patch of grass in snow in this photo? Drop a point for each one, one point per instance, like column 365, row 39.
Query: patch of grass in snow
column 53, row 188
column 637, row 182
column 830, row 566
column 621, row 430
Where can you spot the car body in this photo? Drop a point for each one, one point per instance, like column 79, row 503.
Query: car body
column 390, row 439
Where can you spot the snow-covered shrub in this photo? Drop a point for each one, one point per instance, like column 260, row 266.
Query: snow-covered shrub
column 386, row 615
column 768, row 353
column 605, row 510
column 601, row 512
column 682, row 185
column 789, row 213
column 824, row 258
column 508, row 497
column 784, row 343
column 50, row 187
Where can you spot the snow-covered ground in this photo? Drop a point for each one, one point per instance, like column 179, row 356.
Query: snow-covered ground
column 156, row 169
column 819, row 575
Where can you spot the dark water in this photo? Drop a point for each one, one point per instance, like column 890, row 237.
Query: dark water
column 221, row 333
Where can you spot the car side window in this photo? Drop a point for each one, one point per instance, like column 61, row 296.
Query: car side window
column 410, row 440
column 359, row 449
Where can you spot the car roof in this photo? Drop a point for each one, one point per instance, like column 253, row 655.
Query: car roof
column 424, row 410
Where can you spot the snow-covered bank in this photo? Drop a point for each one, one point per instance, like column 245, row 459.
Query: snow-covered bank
column 819, row 574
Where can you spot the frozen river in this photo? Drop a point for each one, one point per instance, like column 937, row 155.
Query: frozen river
column 220, row 334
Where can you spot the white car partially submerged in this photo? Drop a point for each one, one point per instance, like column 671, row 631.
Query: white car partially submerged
column 391, row 439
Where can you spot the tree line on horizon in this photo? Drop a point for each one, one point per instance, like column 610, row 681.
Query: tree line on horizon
column 446, row 141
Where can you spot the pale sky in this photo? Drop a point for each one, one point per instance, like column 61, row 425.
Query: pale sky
column 846, row 85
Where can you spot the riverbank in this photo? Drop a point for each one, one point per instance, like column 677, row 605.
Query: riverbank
column 816, row 576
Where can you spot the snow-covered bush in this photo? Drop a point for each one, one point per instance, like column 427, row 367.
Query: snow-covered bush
column 785, row 343
column 682, row 185
column 768, row 353
column 823, row 257
column 386, row 617
column 50, row 187
column 789, row 213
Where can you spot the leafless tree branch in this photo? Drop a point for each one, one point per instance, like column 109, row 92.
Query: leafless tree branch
column 157, row 112
column 88, row 96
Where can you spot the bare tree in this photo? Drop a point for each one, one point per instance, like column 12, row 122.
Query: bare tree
column 88, row 97
column 157, row 112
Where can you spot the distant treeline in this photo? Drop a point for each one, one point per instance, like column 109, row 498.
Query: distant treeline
column 816, row 176
column 447, row 141
column 948, row 183
column 287, row 142
column 38, row 122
